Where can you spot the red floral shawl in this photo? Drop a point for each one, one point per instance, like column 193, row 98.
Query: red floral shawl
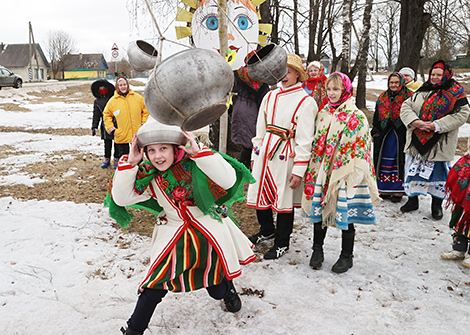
column 444, row 98
column 389, row 103
column 458, row 194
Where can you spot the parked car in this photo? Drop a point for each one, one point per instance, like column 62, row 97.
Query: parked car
column 9, row 79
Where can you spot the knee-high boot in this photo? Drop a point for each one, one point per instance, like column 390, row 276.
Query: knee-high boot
column 319, row 234
column 345, row 261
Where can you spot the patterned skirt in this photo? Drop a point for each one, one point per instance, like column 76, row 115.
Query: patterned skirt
column 387, row 178
column 425, row 177
column 357, row 209
column 191, row 264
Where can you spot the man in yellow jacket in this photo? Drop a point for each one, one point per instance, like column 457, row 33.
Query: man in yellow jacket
column 124, row 114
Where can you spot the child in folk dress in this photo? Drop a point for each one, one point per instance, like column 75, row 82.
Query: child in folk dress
column 281, row 150
column 195, row 244
column 340, row 183
column 458, row 191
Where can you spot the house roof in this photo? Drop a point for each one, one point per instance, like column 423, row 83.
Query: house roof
column 86, row 61
column 17, row 55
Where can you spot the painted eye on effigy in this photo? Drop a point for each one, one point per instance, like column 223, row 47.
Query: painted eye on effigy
column 212, row 22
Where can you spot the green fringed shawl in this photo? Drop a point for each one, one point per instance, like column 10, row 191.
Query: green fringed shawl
column 208, row 196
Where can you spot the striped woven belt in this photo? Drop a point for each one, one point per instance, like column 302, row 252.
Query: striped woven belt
column 284, row 135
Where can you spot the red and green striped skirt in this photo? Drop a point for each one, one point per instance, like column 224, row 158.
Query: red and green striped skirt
column 191, row 264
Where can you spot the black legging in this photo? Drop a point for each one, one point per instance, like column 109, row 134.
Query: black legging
column 285, row 223
column 149, row 299
column 108, row 146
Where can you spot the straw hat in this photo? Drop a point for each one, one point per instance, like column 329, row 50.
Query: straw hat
column 295, row 62
column 153, row 132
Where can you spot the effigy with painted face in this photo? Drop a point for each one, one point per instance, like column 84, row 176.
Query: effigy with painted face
column 244, row 32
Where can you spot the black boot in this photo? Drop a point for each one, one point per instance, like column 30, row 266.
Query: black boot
column 129, row 331
column 345, row 261
column 319, row 234
column 317, row 257
column 411, row 205
column 436, row 208
column 343, row 264
column 232, row 300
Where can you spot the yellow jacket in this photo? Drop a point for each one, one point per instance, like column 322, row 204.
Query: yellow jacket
column 129, row 114
column 414, row 85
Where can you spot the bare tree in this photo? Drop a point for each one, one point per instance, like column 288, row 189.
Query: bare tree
column 360, row 65
column 346, row 50
column 414, row 21
column 59, row 46
column 385, row 32
column 296, row 27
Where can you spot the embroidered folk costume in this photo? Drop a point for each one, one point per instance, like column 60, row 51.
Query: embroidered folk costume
column 281, row 148
column 458, row 192
column 389, row 135
column 340, row 184
column 315, row 86
column 429, row 153
column 196, row 243
column 340, row 180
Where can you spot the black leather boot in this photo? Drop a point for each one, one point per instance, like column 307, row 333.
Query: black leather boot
column 232, row 300
column 345, row 261
column 411, row 205
column 317, row 257
column 436, row 208
column 343, row 264
column 319, row 234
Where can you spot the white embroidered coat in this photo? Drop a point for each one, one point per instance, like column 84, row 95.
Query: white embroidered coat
column 290, row 108
column 231, row 245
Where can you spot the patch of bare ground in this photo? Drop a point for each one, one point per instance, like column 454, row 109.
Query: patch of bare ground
column 50, row 131
column 11, row 107
column 81, row 180
column 73, row 93
column 136, row 83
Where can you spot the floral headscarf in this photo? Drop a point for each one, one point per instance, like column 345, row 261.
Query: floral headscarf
column 347, row 90
column 445, row 96
column 389, row 103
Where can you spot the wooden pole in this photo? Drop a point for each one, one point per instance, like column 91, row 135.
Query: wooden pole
column 30, row 74
column 223, row 121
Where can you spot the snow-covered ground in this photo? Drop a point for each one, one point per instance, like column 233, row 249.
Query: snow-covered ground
column 65, row 270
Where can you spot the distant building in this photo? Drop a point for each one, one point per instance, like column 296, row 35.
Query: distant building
column 85, row 66
column 31, row 65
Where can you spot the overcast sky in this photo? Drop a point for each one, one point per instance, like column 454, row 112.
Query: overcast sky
column 94, row 25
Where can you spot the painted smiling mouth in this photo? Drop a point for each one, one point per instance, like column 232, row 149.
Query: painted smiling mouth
column 232, row 47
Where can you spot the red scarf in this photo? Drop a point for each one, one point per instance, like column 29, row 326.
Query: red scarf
column 389, row 103
column 445, row 96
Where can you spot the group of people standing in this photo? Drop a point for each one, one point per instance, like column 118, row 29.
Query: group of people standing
column 311, row 148
column 415, row 132
column 317, row 159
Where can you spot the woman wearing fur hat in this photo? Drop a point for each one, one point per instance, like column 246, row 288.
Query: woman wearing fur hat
column 315, row 84
column 432, row 116
column 195, row 243
column 102, row 90
column 281, row 150
column 124, row 114
column 410, row 76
